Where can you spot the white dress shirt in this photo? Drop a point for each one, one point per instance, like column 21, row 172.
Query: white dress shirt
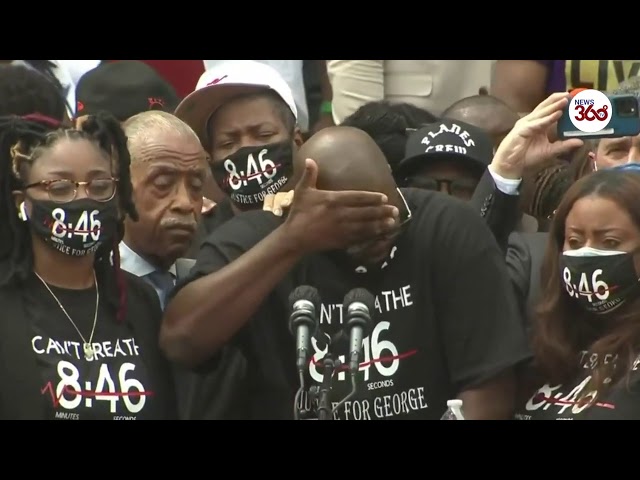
column 133, row 263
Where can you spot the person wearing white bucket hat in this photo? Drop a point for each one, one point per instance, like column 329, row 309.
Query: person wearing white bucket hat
column 245, row 115
column 246, row 118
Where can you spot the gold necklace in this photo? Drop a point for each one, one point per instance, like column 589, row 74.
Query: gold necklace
column 87, row 348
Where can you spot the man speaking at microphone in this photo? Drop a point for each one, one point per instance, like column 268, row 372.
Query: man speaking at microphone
column 445, row 323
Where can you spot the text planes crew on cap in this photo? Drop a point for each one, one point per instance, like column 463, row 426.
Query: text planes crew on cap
column 587, row 333
column 245, row 116
column 446, row 325
column 495, row 196
column 78, row 335
column 447, row 156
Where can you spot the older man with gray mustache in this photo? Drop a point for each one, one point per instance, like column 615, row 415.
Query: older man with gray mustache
column 168, row 171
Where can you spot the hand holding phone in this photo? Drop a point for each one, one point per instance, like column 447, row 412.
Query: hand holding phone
column 624, row 116
column 527, row 146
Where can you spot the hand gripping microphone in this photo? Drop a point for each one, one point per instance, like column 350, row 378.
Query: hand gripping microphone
column 359, row 306
column 304, row 302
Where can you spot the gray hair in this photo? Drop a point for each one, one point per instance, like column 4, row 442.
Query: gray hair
column 146, row 125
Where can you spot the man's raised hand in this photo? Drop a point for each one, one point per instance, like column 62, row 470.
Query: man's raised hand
column 327, row 220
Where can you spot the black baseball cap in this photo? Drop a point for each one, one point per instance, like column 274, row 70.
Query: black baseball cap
column 124, row 89
column 447, row 139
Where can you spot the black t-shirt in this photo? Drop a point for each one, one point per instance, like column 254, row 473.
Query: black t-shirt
column 218, row 216
column 210, row 395
column 115, row 384
column 572, row 401
column 209, row 222
column 445, row 319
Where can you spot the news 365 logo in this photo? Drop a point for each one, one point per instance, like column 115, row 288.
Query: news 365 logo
column 590, row 111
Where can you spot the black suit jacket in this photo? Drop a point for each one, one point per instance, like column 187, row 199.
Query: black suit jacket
column 525, row 253
column 524, row 250
column 500, row 211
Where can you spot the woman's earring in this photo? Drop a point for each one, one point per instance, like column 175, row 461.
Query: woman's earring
column 22, row 212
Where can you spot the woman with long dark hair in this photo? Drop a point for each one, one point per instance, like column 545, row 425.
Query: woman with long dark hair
column 78, row 336
column 587, row 333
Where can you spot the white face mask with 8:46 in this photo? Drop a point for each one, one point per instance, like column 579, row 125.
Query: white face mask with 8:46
column 76, row 228
column 600, row 281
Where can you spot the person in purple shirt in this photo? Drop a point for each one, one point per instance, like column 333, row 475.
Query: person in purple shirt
column 523, row 84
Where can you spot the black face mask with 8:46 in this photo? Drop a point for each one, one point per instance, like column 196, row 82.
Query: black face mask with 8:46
column 76, row 228
column 251, row 173
column 599, row 281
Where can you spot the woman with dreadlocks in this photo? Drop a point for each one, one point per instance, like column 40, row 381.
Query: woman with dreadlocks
column 78, row 336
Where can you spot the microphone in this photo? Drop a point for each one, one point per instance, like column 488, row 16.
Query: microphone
column 304, row 302
column 359, row 304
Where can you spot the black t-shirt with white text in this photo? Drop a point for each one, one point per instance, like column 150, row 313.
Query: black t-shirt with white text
column 444, row 320
column 578, row 401
column 114, row 385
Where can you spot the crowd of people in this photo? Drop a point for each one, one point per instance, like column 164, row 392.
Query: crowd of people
column 158, row 216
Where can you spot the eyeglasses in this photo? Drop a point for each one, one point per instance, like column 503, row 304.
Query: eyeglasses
column 64, row 191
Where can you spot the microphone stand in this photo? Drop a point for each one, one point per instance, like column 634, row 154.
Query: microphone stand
column 329, row 366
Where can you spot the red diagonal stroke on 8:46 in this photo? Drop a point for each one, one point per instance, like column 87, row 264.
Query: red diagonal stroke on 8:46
column 55, row 399
column 389, row 358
